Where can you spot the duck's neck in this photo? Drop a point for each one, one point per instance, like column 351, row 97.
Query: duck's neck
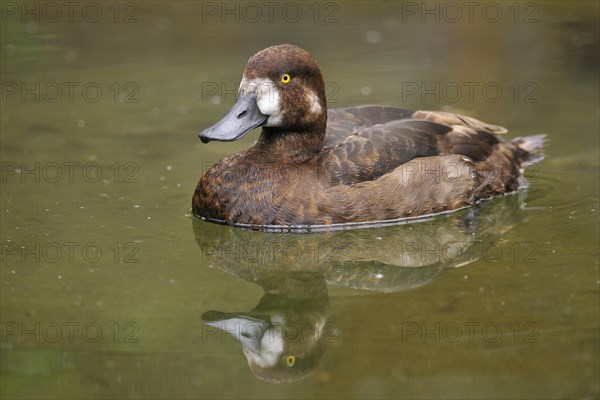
column 282, row 146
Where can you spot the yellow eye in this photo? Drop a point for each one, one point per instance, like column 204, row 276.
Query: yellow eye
column 285, row 78
column 290, row 361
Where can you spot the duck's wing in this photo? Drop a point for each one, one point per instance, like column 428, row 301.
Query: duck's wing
column 371, row 152
column 451, row 119
column 342, row 122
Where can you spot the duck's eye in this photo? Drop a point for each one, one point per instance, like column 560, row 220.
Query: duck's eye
column 285, row 78
column 290, row 361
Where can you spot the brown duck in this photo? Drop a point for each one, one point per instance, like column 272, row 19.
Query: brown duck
column 313, row 167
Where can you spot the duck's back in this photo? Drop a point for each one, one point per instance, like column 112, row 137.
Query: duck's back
column 364, row 143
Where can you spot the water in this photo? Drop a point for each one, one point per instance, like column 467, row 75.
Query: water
column 110, row 290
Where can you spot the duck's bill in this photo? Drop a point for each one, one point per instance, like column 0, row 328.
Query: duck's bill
column 241, row 119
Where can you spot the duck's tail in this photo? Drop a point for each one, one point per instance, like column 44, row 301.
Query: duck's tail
column 533, row 148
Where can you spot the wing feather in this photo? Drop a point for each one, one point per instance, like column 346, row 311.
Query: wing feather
column 367, row 142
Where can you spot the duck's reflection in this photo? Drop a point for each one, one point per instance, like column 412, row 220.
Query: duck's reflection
column 285, row 335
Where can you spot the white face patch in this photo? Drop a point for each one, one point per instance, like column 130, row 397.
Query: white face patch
column 313, row 100
column 267, row 98
column 271, row 348
column 319, row 328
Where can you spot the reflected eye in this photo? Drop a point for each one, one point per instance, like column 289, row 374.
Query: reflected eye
column 290, row 361
column 285, row 78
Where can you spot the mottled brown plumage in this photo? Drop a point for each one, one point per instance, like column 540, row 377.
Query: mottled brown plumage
column 311, row 166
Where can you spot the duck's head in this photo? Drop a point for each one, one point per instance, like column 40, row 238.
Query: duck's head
column 282, row 89
column 285, row 336
column 277, row 351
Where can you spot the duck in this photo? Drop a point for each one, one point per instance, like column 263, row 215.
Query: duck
column 317, row 167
